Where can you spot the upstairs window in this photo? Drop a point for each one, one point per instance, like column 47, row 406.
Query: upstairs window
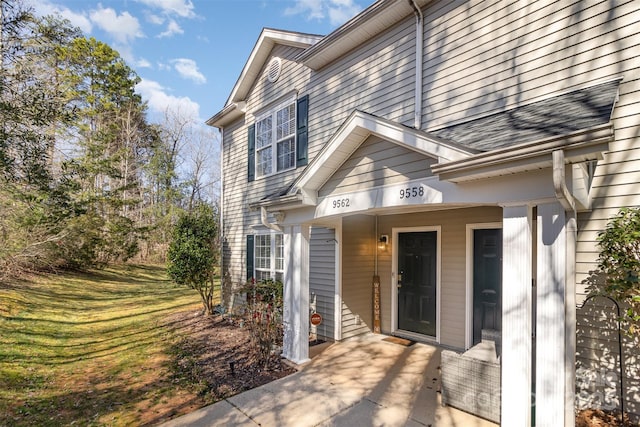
column 276, row 141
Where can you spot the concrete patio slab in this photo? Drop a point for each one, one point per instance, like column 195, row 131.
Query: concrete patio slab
column 363, row 381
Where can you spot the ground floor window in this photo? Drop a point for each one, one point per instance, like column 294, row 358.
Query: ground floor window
column 269, row 257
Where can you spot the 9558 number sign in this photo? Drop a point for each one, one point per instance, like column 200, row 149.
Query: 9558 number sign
column 411, row 192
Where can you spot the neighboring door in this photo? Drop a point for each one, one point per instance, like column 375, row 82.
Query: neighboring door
column 417, row 266
column 487, row 281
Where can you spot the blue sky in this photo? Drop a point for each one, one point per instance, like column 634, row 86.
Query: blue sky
column 189, row 53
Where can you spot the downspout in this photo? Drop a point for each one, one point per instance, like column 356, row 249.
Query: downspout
column 222, row 234
column 266, row 223
column 417, row 120
column 568, row 202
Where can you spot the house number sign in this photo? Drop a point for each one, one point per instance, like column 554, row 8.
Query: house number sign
column 409, row 193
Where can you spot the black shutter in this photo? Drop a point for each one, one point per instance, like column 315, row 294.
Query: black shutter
column 250, row 249
column 251, row 170
column 301, row 131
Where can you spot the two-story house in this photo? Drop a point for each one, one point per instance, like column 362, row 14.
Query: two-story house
column 431, row 169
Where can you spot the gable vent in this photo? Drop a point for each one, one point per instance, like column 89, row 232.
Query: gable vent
column 275, row 66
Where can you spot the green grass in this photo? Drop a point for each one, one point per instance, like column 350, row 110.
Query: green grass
column 90, row 349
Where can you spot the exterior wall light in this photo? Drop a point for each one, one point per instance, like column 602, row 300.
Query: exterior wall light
column 383, row 242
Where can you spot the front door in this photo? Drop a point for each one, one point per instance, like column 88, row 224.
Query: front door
column 487, row 281
column 417, row 266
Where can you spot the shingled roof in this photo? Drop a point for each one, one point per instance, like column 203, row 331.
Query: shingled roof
column 560, row 115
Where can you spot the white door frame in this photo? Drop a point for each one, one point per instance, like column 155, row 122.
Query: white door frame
column 469, row 277
column 394, row 290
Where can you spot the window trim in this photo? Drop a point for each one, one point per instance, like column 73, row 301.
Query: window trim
column 272, row 112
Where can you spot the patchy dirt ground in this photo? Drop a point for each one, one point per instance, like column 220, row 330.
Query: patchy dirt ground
column 600, row 418
column 213, row 356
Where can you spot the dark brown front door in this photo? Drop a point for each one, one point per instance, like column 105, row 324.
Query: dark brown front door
column 417, row 266
column 487, row 281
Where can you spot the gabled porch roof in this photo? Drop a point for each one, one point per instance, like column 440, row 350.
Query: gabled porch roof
column 355, row 130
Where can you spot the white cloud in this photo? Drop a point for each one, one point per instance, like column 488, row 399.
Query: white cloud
column 160, row 101
column 80, row 20
column 188, row 69
column 312, row 8
column 338, row 11
column 155, row 19
column 142, row 63
column 172, row 28
column 183, row 8
column 122, row 28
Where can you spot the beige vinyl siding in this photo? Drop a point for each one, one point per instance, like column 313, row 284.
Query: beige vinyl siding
column 358, row 247
column 615, row 185
column 489, row 56
column 597, row 360
column 322, row 279
column 234, row 184
column 377, row 78
column 375, row 163
column 453, row 255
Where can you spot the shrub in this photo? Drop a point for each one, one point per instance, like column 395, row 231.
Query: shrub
column 193, row 253
column 263, row 316
column 619, row 260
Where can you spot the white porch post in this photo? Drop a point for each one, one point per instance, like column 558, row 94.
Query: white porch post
column 516, row 316
column 553, row 369
column 296, row 294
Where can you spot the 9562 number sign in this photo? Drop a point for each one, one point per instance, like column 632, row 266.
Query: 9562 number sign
column 340, row 203
column 411, row 192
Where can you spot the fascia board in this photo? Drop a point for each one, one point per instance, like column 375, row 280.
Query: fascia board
column 378, row 17
column 227, row 115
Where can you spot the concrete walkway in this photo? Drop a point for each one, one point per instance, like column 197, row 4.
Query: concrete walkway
column 363, row 381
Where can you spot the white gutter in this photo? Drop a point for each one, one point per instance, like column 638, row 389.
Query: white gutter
column 266, row 223
column 563, row 194
column 417, row 120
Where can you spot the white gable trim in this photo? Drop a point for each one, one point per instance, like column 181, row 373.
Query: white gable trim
column 354, row 131
column 267, row 40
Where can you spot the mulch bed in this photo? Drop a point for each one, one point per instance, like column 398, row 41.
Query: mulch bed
column 600, row 418
column 214, row 355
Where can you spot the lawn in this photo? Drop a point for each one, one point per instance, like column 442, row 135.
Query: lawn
column 92, row 348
